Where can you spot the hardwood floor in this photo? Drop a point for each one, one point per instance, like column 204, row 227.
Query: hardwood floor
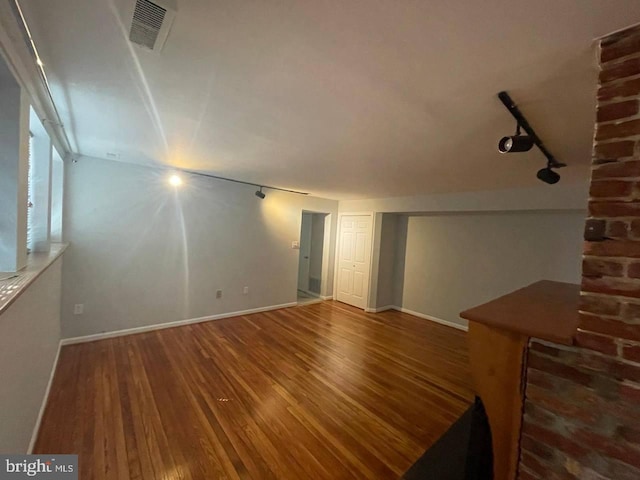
column 323, row 391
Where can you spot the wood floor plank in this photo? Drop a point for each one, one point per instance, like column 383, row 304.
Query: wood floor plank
column 323, row 391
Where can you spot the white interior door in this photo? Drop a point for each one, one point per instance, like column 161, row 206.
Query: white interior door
column 354, row 259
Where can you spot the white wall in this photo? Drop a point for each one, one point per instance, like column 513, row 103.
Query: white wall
column 29, row 337
column 448, row 263
column 142, row 254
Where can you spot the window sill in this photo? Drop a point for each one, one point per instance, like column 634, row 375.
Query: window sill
column 11, row 288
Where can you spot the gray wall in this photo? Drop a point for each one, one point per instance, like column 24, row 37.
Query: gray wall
column 564, row 196
column 317, row 243
column 142, row 253
column 447, row 263
column 29, row 337
column 389, row 258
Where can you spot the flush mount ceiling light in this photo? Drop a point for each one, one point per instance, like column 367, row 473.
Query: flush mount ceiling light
column 524, row 143
column 260, row 194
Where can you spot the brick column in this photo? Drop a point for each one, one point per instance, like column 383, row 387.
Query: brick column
column 582, row 410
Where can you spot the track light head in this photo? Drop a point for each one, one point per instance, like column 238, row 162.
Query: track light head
column 259, row 194
column 548, row 176
column 515, row 143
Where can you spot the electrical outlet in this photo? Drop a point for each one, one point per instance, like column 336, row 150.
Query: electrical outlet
column 218, row 293
column 78, row 309
column 245, row 290
column 295, row 245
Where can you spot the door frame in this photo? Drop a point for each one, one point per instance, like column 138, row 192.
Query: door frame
column 339, row 249
column 304, row 212
column 326, row 251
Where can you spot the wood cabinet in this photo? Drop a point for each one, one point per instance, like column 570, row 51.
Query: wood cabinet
column 499, row 334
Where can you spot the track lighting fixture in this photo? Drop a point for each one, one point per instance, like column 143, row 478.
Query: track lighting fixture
column 548, row 176
column 524, row 143
column 515, row 143
column 175, row 180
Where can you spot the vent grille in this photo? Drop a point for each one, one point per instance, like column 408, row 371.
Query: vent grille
column 147, row 22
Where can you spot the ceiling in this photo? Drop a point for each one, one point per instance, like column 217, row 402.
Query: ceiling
column 343, row 99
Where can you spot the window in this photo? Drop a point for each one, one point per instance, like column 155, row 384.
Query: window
column 38, row 186
column 57, row 188
column 30, row 196
column 30, row 178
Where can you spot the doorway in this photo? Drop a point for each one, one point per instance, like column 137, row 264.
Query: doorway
column 310, row 263
column 354, row 257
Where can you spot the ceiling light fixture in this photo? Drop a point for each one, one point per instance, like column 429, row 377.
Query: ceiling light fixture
column 259, row 194
column 524, row 143
column 175, row 180
column 242, row 182
column 515, row 143
column 548, row 176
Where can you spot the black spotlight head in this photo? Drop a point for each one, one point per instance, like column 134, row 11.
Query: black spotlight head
column 259, row 193
column 517, row 143
column 548, row 176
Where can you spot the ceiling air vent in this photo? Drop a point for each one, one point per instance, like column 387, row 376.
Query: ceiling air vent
column 151, row 23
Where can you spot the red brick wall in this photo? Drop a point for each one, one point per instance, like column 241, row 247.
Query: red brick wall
column 582, row 409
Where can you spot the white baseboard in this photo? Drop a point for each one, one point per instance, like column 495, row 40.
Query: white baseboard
column 380, row 309
column 45, row 399
column 433, row 319
column 419, row 315
column 313, row 301
column 177, row 323
column 310, row 293
column 327, row 297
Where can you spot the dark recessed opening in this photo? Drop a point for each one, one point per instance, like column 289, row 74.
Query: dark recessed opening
column 464, row 452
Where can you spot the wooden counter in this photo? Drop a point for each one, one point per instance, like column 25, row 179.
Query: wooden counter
column 546, row 310
column 499, row 334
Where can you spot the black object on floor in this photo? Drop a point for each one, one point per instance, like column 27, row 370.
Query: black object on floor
column 464, row 452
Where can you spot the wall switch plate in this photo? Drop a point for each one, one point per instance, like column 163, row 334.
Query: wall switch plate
column 295, row 245
column 245, row 290
column 78, row 309
column 218, row 293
